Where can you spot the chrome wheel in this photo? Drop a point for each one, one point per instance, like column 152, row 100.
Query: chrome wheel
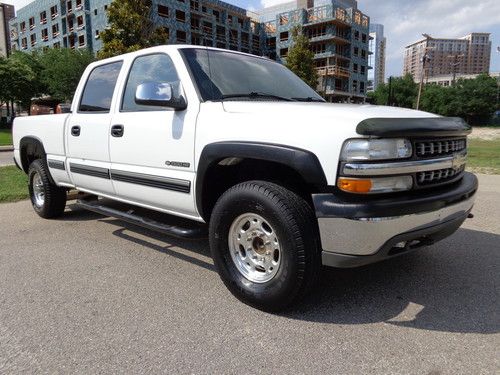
column 255, row 248
column 38, row 190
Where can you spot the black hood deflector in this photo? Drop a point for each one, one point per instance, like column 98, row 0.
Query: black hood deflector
column 414, row 127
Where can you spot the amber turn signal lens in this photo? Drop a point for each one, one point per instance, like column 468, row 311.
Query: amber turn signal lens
column 355, row 185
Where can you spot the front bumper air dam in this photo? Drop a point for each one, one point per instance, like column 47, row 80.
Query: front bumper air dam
column 355, row 232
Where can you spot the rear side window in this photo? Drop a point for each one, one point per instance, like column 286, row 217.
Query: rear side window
column 150, row 68
column 98, row 91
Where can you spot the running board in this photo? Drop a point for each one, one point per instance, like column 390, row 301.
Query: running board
column 195, row 231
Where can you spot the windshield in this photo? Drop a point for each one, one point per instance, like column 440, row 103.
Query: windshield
column 221, row 75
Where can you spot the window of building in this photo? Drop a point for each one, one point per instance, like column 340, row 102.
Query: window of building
column 95, row 12
column 363, row 54
column 81, row 40
column 33, row 39
column 283, row 52
column 99, row 89
column 151, row 68
column 97, row 34
column 180, row 16
column 356, row 51
column 32, row 23
column 23, row 26
column 79, row 4
column 80, row 22
column 43, row 17
column 105, row 7
column 362, row 87
column 284, row 36
column 356, row 35
column 355, row 86
column 363, row 38
column 45, row 34
column 53, row 12
column 55, row 30
column 181, row 36
column 194, row 5
column 71, row 24
column 363, row 69
column 162, row 10
column 57, row 45
column 24, row 43
column 355, row 68
column 69, row 6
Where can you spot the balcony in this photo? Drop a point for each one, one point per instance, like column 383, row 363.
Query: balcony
column 333, row 70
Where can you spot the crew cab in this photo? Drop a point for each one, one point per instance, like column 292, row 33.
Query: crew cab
column 240, row 150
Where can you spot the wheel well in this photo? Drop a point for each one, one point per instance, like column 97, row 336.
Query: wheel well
column 31, row 149
column 221, row 175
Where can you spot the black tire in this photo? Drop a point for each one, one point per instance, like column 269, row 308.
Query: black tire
column 295, row 224
column 54, row 200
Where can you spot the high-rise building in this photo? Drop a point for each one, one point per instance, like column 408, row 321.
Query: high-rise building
column 378, row 42
column 7, row 12
column 338, row 36
column 467, row 55
column 337, row 30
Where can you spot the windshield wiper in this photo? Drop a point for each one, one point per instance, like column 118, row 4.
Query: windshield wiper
column 253, row 95
column 309, row 99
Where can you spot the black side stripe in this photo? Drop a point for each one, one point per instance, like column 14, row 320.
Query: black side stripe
column 56, row 164
column 89, row 171
column 174, row 184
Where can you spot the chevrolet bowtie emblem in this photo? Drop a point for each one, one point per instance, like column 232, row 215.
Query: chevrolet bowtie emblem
column 458, row 161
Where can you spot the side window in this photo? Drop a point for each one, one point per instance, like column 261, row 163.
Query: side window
column 151, row 68
column 98, row 91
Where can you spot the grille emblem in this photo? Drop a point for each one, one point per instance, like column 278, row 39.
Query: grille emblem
column 458, row 161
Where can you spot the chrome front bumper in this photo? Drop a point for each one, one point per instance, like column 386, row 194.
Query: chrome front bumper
column 353, row 235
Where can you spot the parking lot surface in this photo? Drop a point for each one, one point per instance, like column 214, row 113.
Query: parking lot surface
column 91, row 294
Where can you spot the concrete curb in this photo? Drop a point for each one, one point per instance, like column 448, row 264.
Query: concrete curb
column 6, row 148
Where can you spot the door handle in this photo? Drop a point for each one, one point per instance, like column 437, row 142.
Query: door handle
column 117, row 131
column 75, row 131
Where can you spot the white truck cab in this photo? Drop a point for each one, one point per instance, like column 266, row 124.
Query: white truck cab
column 282, row 181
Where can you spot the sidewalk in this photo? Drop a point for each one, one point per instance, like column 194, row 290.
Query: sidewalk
column 6, row 148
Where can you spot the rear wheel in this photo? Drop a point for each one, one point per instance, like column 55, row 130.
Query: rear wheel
column 264, row 243
column 48, row 200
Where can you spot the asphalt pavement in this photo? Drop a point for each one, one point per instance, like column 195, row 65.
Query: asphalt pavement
column 6, row 158
column 88, row 294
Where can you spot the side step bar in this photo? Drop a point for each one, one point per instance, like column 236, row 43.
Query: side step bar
column 197, row 231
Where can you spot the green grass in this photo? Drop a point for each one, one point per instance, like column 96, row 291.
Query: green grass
column 484, row 156
column 13, row 184
column 5, row 137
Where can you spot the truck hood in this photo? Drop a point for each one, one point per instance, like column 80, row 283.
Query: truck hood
column 344, row 114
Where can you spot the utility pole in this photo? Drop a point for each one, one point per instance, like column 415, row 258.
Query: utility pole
column 454, row 64
column 425, row 60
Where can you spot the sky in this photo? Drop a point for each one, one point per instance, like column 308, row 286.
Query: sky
column 406, row 20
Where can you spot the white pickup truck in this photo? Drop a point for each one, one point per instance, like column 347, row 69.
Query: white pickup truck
column 281, row 181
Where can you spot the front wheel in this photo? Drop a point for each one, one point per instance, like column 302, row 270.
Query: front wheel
column 264, row 243
column 48, row 200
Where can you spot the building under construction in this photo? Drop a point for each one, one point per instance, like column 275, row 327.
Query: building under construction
column 337, row 30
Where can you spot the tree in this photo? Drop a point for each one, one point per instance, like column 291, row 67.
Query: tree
column 300, row 58
column 404, row 92
column 131, row 28
column 62, row 70
column 20, row 79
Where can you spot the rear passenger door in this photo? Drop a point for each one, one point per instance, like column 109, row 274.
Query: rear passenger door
column 153, row 158
column 88, row 131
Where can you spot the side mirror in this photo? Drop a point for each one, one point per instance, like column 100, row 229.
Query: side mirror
column 159, row 95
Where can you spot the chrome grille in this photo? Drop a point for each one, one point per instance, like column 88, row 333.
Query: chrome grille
column 437, row 176
column 425, row 149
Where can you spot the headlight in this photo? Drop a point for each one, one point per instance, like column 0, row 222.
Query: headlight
column 376, row 149
column 375, row 185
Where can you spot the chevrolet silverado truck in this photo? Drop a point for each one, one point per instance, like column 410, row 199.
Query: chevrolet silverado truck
column 240, row 149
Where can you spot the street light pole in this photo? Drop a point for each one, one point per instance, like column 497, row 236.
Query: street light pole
column 425, row 59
